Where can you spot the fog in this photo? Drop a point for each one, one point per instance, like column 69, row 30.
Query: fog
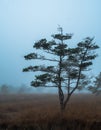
column 24, row 21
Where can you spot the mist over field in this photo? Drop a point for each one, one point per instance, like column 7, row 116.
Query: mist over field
column 23, row 89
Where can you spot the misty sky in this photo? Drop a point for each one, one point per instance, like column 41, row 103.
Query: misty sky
column 24, row 21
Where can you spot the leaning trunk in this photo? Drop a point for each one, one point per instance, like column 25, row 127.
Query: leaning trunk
column 64, row 103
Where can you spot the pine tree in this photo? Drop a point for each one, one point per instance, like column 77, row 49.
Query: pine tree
column 96, row 89
column 66, row 65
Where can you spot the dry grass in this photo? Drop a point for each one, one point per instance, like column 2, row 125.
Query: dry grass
column 42, row 109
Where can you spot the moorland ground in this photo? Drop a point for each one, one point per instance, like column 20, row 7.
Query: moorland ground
column 30, row 111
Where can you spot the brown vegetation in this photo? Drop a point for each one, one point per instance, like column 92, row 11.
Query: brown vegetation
column 42, row 112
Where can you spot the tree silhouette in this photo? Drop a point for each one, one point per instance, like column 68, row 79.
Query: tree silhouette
column 66, row 66
column 96, row 89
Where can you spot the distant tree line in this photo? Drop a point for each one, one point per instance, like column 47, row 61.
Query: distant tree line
column 7, row 89
column 95, row 88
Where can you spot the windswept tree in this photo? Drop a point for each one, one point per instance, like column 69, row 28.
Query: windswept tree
column 96, row 88
column 66, row 66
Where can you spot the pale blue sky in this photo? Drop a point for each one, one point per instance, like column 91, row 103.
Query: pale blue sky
column 24, row 21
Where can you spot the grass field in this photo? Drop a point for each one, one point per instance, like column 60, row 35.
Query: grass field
column 42, row 112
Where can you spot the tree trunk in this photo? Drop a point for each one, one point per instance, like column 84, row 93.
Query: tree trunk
column 64, row 104
column 61, row 99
